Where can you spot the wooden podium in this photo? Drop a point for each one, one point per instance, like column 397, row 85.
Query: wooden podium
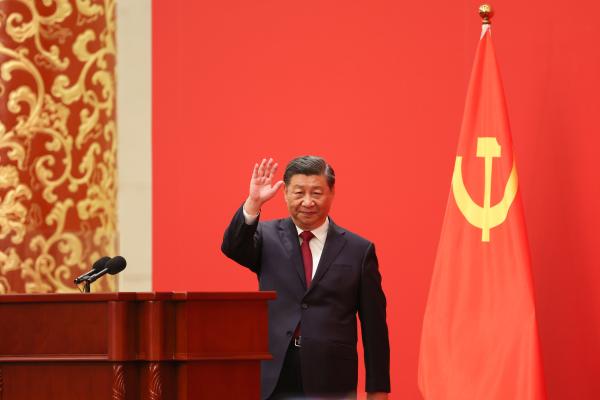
column 133, row 346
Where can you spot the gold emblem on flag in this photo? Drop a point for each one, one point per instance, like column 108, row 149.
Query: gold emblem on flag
column 488, row 216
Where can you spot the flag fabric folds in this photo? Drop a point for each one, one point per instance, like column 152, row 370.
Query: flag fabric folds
column 480, row 338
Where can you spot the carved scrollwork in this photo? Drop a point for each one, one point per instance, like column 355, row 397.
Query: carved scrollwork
column 118, row 387
column 155, row 388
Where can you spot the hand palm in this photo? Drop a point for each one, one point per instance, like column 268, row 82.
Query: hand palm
column 262, row 188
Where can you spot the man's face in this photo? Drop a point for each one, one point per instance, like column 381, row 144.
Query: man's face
column 308, row 199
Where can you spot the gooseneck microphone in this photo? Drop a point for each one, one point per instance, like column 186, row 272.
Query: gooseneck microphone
column 96, row 267
column 112, row 267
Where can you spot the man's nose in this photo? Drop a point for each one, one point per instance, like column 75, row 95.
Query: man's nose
column 308, row 201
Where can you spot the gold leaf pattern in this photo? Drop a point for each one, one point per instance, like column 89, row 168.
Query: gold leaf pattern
column 21, row 30
column 57, row 142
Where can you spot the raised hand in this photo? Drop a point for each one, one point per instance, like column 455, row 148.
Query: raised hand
column 262, row 188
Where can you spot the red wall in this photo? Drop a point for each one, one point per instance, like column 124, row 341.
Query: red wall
column 377, row 88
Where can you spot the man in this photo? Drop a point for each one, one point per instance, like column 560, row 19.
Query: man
column 323, row 275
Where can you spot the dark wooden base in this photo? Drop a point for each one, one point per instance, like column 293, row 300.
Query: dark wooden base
column 126, row 346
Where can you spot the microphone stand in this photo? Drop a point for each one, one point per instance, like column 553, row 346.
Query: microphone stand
column 92, row 278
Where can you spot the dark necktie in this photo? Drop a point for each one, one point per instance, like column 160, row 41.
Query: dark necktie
column 307, row 256
column 308, row 266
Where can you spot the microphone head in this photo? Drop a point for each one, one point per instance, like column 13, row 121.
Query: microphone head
column 100, row 263
column 116, row 265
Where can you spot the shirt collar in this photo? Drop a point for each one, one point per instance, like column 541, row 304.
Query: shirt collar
column 320, row 232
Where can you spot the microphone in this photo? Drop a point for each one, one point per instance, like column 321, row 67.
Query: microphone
column 98, row 265
column 112, row 267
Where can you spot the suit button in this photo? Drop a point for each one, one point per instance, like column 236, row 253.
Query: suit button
column 304, row 306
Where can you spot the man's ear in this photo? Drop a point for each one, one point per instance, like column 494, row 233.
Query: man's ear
column 285, row 189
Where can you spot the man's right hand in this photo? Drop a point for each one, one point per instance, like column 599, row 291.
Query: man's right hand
column 262, row 188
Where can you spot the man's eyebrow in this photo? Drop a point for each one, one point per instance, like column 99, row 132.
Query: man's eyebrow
column 313, row 187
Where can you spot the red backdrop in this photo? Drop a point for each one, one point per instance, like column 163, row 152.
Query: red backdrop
column 378, row 89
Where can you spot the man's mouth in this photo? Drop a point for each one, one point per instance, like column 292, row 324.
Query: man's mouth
column 308, row 212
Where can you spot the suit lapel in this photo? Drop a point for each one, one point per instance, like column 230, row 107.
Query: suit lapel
column 289, row 237
column 334, row 243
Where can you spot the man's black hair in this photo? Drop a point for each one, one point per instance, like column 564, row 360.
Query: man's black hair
column 309, row 165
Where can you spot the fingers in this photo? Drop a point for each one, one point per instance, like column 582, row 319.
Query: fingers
column 273, row 190
column 261, row 169
column 273, row 170
column 277, row 186
column 266, row 169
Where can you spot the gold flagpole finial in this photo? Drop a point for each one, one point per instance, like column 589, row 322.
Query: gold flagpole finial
column 486, row 13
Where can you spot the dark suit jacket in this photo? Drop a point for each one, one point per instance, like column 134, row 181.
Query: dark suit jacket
column 347, row 281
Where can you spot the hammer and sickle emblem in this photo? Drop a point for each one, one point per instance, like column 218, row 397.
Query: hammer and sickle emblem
column 486, row 217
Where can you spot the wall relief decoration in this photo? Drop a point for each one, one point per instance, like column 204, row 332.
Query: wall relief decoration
column 58, row 181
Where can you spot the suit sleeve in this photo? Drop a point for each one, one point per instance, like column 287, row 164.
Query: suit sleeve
column 242, row 242
column 372, row 313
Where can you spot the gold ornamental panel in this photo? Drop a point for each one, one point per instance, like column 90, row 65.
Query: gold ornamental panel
column 57, row 143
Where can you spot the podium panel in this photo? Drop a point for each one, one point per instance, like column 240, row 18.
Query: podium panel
column 133, row 346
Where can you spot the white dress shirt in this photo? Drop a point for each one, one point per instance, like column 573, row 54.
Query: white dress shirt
column 316, row 244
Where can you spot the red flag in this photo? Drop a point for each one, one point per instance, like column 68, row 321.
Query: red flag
column 480, row 338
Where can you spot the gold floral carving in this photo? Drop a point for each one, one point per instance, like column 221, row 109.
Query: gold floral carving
column 57, row 142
